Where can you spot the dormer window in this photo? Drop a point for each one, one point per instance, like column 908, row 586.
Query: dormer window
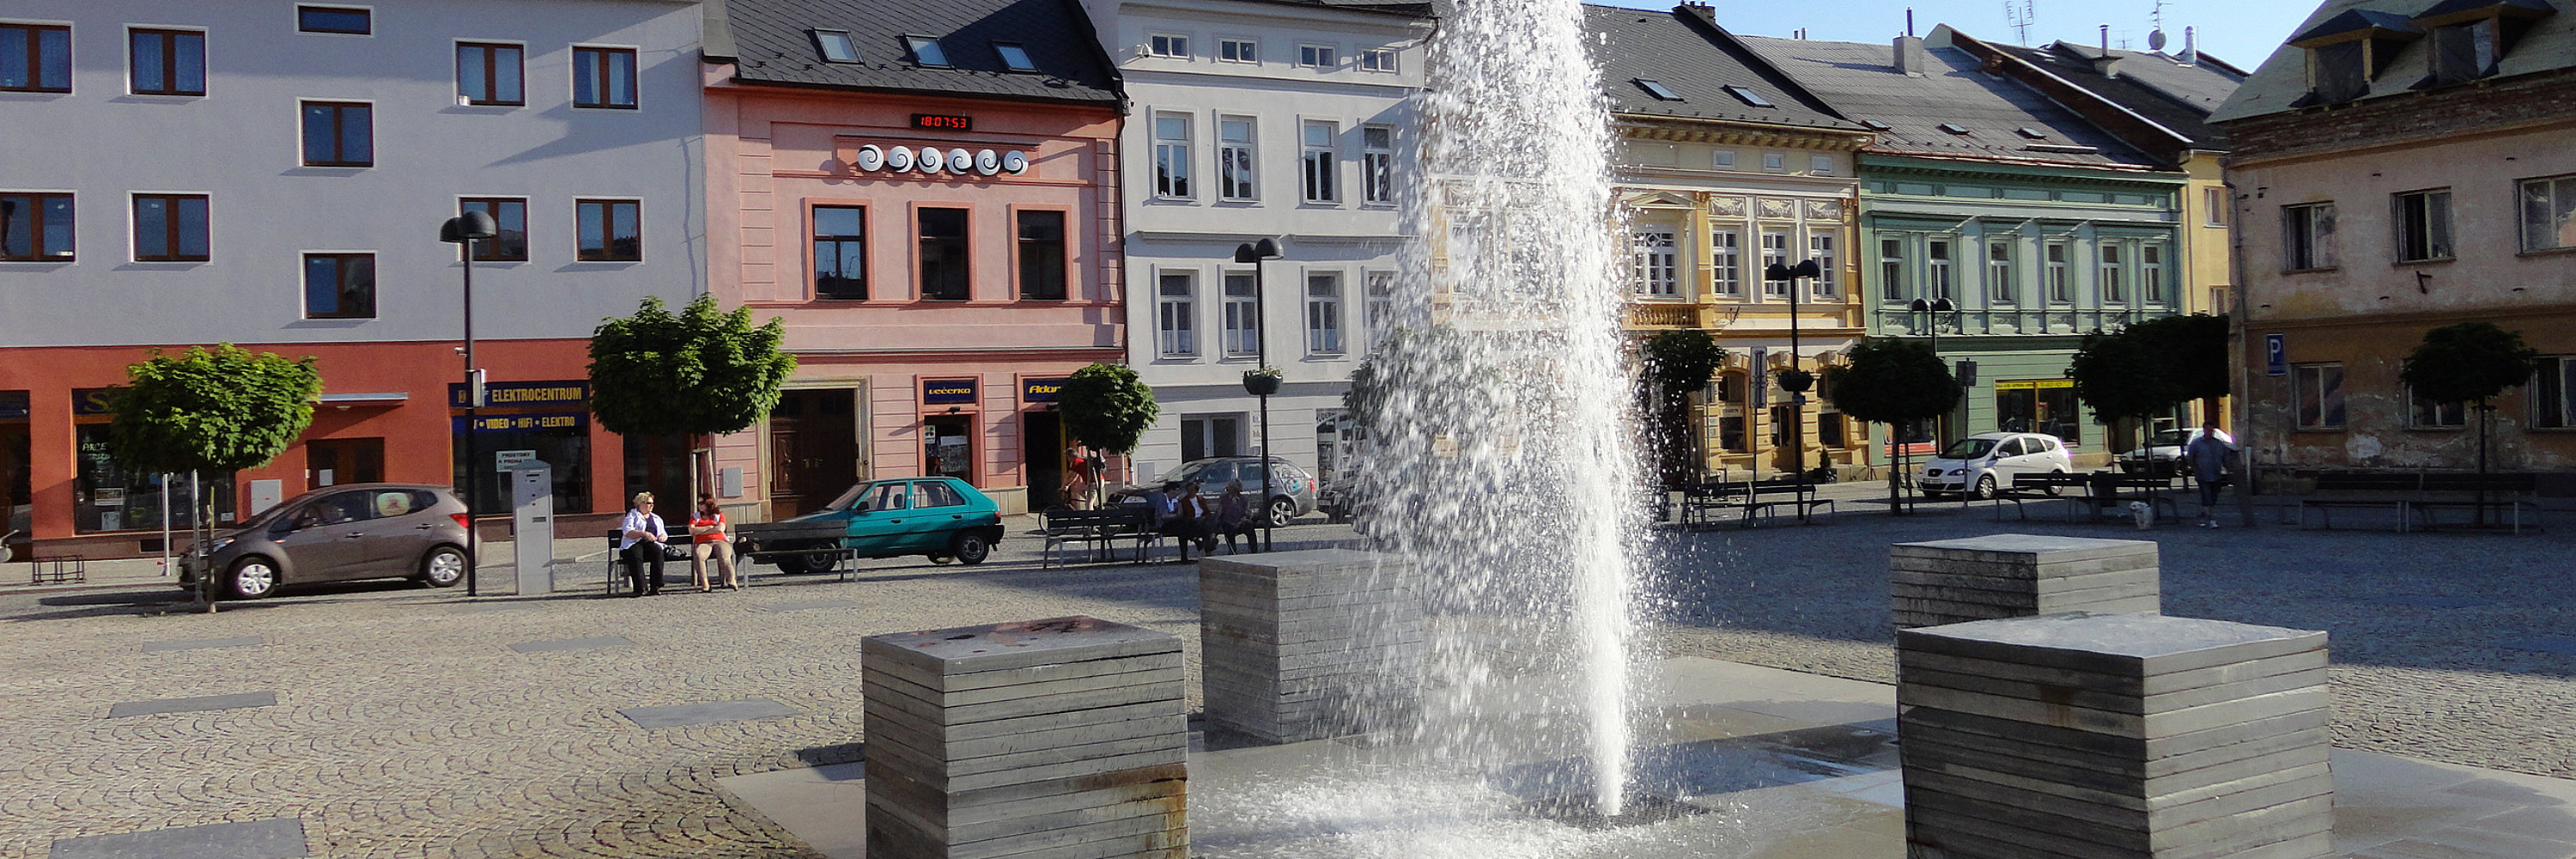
column 1657, row 89
column 2469, row 36
column 925, row 51
column 1015, row 56
column 835, row 46
column 1749, row 97
column 2348, row 51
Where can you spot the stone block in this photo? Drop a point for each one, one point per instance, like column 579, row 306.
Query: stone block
column 2016, row 575
column 1306, row 645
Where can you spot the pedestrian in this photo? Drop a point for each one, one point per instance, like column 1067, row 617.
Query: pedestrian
column 708, row 538
column 1077, row 479
column 640, row 539
column 2210, row 457
column 1234, row 516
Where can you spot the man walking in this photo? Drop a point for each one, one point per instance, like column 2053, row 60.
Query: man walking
column 2208, row 455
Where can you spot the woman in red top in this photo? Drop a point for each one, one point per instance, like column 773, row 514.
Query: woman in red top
column 708, row 538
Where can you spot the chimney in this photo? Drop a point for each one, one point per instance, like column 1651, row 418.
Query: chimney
column 2190, row 51
column 1910, row 58
column 2106, row 65
column 1700, row 10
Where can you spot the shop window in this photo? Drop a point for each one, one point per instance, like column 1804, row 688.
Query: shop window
column 108, row 497
column 334, row 461
column 948, row 446
column 561, row 441
column 1830, row 430
column 2045, row 406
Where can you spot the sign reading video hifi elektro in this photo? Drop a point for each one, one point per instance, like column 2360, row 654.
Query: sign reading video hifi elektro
column 938, row 392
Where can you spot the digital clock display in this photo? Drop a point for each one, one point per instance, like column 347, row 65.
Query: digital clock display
column 943, row 121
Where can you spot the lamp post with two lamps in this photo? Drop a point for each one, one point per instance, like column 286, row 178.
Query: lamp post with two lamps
column 1796, row 379
column 1941, row 429
column 1260, row 383
column 464, row 230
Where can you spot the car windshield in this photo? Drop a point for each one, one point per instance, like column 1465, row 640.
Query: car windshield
column 1969, row 448
column 849, row 496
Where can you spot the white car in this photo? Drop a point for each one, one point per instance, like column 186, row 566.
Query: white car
column 2162, row 455
column 1978, row 464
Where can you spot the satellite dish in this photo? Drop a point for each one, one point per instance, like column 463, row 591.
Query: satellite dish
column 1015, row 162
column 987, row 163
column 960, row 161
column 2156, row 40
column 899, row 158
column 870, row 158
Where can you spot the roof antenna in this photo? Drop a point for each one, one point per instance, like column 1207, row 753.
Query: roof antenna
column 1909, row 22
column 2019, row 14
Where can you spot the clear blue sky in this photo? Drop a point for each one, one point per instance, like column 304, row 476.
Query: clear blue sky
column 2242, row 32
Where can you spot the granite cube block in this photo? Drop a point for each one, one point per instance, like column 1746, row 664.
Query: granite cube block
column 1312, row 644
column 2016, row 575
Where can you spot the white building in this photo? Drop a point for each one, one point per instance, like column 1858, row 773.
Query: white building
column 1289, row 121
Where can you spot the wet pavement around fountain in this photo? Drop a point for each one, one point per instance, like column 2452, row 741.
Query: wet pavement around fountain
column 374, row 720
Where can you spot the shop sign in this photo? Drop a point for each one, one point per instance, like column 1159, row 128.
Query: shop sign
column 1040, row 390
column 947, row 392
column 13, row 405
column 91, row 401
column 521, row 423
column 496, row 394
column 2030, row 384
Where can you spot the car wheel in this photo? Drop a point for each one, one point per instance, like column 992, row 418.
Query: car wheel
column 969, row 549
column 791, row 564
column 443, row 567
column 1282, row 511
column 251, row 578
column 1985, row 488
column 2052, row 488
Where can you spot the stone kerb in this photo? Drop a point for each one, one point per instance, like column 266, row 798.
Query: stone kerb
column 2018, row 575
column 1064, row 737
column 1312, row 644
column 2106, row 736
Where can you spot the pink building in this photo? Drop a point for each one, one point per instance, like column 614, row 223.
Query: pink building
column 930, row 202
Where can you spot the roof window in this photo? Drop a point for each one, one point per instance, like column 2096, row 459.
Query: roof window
column 1954, row 128
column 925, row 51
column 835, row 46
column 2469, row 36
column 2349, row 50
column 1749, row 97
column 1875, row 125
column 2066, row 148
column 1657, row 89
column 2031, row 133
column 1015, row 56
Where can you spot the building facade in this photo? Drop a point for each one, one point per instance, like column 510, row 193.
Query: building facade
column 1252, row 120
column 348, row 134
column 929, row 198
column 2400, row 166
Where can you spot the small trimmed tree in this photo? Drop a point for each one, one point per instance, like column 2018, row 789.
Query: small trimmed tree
column 694, row 374
column 2145, row 370
column 1106, row 408
column 1678, row 362
column 1892, row 382
column 2469, row 362
column 220, row 409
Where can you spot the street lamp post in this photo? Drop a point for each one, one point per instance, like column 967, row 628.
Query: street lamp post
column 1939, row 305
column 463, row 230
column 1797, row 385
column 1253, row 253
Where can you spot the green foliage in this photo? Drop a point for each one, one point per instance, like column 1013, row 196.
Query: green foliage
column 703, row 371
column 223, row 409
column 2144, row 370
column 1682, row 360
column 1891, row 381
column 1105, row 408
column 2194, row 350
column 2468, row 362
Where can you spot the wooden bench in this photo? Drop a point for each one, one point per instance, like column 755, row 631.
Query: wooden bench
column 2113, row 491
column 2508, row 495
column 2052, row 486
column 1101, row 529
column 2345, row 490
column 1701, row 500
column 1767, row 497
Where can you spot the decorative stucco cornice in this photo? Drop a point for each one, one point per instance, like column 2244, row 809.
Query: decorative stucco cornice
column 1733, row 134
column 1985, row 169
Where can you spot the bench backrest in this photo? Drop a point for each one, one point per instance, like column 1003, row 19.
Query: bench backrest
column 2519, row 482
column 2344, row 481
column 2050, row 479
column 1123, row 514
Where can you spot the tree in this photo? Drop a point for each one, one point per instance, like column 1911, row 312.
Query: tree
column 1106, row 408
column 223, row 409
column 701, row 372
column 2194, row 349
column 1892, row 382
column 2469, row 362
column 2149, row 368
column 1678, row 362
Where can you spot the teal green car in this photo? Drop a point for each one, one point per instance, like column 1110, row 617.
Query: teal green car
column 941, row 518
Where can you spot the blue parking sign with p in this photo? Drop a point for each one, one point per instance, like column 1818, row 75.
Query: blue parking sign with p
column 2276, row 358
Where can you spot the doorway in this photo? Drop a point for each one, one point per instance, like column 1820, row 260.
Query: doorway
column 1204, row 436
column 334, row 461
column 813, row 449
column 1042, row 449
column 948, row 447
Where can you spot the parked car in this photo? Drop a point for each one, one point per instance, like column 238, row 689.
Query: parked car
column 1980, row 463
column 1292, row 490
column 942, row 518
column 342, row 533
column 2161, row 456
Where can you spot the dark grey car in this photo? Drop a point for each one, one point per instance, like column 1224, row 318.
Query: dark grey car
column 358, row 531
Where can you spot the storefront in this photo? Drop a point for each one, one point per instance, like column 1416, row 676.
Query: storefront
column 545, row 421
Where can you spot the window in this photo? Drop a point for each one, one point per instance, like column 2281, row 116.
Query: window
column 2423, row 220
column 2553, row 380
column 2336, row 73
column 350, row 20
column 611, row 230
column 1175, row 331
column 943, row 254
column 2151, row 272
column 2114, row 278
column 2045, row 406
column 1377, row 60
column 2427, row 414
column 1657, row 89
column 1820, row 165
column 925, row 51
column 1726, row 258
column 1317, row 56
column 1042, row 268
column 1238, row 50
column 165, row 62
column 1204, row 436
column 1377, row 163
column 2213, row 205
column 2000, row 285
column 2320, row 395
column 1775, row 162
column 2307, row 236
column 835, row 46
column 1234, row 161
column 1656, row 262
column 1322, row 174
column 510, row 215
column 841, row 253
column 2464, row 52
column 1891, row 269
column 1722, row 159
column 488, row 74
column 1242, row 317
column 170, row 228
column 1324, row 313
column 35, row 227
column 1172, row 156
column 1827, row 284
column 2060, row 291
column 340, row 286
column 2549, row 213
column 1775, row 251
column 35, row 58
column 603, row 77
column 1381, row 300
column 1937, row 281
column 1749, row 97
column 1015, row 56
column 1168, row 45
column 339, row 134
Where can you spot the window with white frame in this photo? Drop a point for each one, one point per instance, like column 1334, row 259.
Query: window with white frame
column 1238, row 50
column 1381, row 300
column 2213, row 204
column 1318, row 56
column 2553, row 381
column 1242, row 315
column 1936, row 258
column 1726, row 261
column 2548, row 213
column 2424, row 413
column 2319, row 389
column 1324, row 313
column 1176, row 314
column 1172, row 156
column 1827, row 284
column 2423, row 221
column 2113, row 280
column 2061, row 290
column 1892, row 269
column 1234, row 159
column 2000, row 285
column 1655, row 259
column 1775, row 162
column 1319, row 162
column 2151, row 272
column 2307, row 237
column 1168, row 45
column 1377, row 60
column 1377, row 163
column 1775, row 251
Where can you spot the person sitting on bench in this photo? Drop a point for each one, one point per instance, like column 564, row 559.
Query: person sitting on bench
column 1234, row 517
column 640, row 541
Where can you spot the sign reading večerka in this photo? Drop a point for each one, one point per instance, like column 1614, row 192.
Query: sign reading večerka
column 947, row 391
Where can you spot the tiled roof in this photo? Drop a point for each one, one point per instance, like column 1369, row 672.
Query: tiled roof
column 2171, row 94
column 1988, row 112
column 774, row 44
column 1695, row 61
column 2549, row 45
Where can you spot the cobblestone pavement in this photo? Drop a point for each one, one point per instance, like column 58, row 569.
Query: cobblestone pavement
column 405, row 725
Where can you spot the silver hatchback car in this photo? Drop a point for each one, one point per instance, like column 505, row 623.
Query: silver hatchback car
column 358, row 531
column 1292, row 490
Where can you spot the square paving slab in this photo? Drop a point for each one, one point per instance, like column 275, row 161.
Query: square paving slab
column 682, row 715
column 192, row 705
column 281, row 838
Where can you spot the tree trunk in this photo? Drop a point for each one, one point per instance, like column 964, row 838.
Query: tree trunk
column 208, row 581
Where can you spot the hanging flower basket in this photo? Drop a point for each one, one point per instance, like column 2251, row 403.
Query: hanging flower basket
column 1262, row 382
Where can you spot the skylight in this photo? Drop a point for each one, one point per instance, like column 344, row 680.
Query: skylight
column 1875, row 125
column 925, row 50
column 835, row 46
column 1015, row 56
column 1749, row 97
column 1954, row 128
column 1657, row 89
column 2032, row 133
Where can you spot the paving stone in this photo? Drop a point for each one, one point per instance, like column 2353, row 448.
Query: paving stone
column 203, row 644
column 807, row 605
column 571, row 644
column 2420, row 601
column 237, row 701
column 682, row 715
column 2558, row 644
column 280, row 838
